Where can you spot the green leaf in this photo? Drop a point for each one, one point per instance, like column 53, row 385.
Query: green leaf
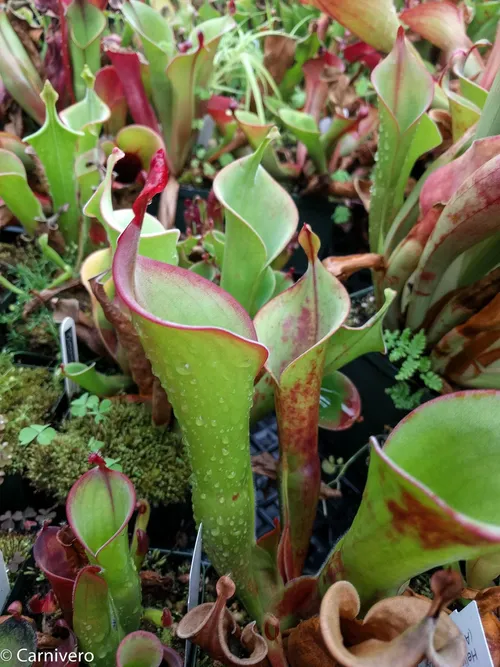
column 86, row 24
column 464, row 114
column 341, row 215
column 95, row 619
column 88, row 378
column 403, row 398
column 92, row 403
column 362, row 86
column 432, row 381
column 17, row 72
column 185, row 73
column 305, row 128
column 46, row 436
column 412, row 516
column 328, row 465
column 214, row 242
column 473, row 92
column 87, row 116
column 156, row 241
column 205, row 269
column 29, row 433
column 105, row 406
column 17, row 194
column 405, row 90
column 251, row 197
column 305, row 49
column 56, row 147
column 113, row 464
column 408, row 369
column 99, row 508
column 95, row 445
column 42, row 433
column 256, row 133
column 341, row 176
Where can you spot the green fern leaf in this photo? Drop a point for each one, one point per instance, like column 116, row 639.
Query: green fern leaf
column 408, row 369
column 432, row 380
column 416, row 345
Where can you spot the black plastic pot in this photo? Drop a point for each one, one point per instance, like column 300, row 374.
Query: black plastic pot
column 10, row 233
column 334, row 515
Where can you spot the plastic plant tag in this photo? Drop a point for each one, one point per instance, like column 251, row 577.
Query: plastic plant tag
column 194, row 593
column 4, row 582
column 469, row 623
column 69, row 347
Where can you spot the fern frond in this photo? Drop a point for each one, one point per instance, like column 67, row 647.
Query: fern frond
column 424, row 364
column 416, row 345
column 408, row 369
column 402, row 397
column 432, row 380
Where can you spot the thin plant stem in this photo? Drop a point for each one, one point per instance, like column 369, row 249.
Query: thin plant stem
column 347, row 464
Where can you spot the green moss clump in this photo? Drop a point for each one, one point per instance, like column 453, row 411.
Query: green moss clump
column 16, row 548
column 26, row 396
column 153, row 458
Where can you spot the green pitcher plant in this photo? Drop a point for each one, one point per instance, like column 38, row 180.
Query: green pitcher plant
column 214, row 418
column 412, row 518
column 63, row 145
column 438, row 248
column 177, row 73
column 93, row 572
column 111, row 321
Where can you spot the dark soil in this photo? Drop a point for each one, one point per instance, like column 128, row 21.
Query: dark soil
column 362, row 308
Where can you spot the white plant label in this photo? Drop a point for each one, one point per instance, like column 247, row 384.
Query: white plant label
column 469, row 623
column 69, row 347
column 4, row 582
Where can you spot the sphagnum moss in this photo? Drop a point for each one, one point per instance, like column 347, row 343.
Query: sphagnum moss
column 153, row 458
column 16, row 548
column 26, row 396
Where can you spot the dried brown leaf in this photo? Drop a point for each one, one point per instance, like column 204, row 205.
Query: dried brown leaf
column 41, row 298
column 24, row 32
column 343, row 267
column 140, row 368
column 211, row 626
column 396, row 631
column 279, row 55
